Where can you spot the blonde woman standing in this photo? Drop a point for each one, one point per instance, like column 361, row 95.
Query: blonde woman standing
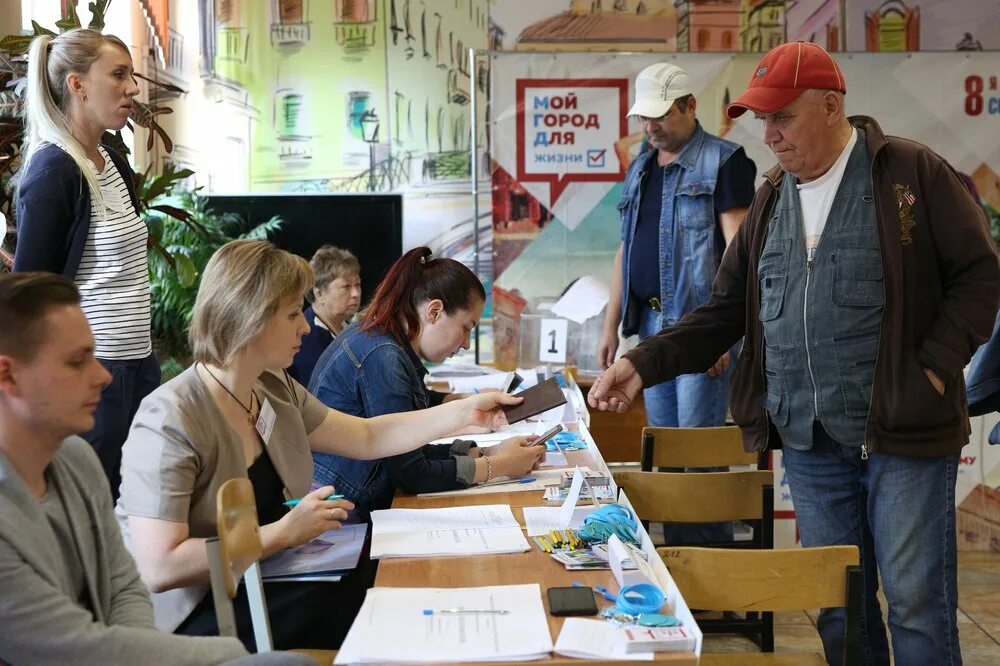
column 77, row 214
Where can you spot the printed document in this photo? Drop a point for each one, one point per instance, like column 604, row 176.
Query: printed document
column 438, row 625
column 464, row 530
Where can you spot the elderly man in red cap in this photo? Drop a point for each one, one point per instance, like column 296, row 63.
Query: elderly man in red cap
column 863, row 279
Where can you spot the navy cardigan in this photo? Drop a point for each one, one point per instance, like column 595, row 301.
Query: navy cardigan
column 53, row 211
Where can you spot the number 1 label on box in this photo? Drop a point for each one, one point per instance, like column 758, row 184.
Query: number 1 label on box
column 552, row 344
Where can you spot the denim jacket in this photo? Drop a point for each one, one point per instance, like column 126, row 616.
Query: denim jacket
column 690, row 247
column 369, row 374
column 984, row 381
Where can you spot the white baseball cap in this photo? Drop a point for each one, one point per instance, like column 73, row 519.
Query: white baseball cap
column 657, row 87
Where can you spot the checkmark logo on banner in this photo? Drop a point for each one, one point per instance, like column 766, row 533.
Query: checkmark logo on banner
column 595, row 158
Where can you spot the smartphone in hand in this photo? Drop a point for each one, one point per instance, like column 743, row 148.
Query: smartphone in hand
column 548, row 434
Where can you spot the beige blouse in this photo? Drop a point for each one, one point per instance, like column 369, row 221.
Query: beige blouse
column 181, row 449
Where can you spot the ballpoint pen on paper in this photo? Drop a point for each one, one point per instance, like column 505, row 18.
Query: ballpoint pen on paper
column 294, row 502
column 466, row 611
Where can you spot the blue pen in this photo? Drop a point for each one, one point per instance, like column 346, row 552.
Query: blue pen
column 504, row 482
column 599, row 590
column 294, row 502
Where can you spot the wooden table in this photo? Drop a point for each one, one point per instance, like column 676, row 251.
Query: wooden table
column 533, row 566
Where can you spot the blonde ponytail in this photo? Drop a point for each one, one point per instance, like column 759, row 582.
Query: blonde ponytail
column 47, row 100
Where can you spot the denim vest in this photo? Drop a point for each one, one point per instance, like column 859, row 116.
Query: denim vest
column 822, row 321
column 353, row 374
column 690, row 251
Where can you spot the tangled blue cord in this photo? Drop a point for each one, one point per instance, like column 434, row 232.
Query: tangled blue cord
column 607, row 520
column 640, row 598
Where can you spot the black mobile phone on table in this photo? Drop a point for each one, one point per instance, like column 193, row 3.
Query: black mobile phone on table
column 564, row 601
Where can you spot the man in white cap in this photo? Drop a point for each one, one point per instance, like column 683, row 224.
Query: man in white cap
column 681, row 204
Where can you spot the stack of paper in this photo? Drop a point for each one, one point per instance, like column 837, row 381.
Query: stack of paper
column 477, row 383
column 521, row 429
column 453, row 368
column 463, row 530
column 594, row 639
column 325, row 558
column 538, row 481
column 434, row 626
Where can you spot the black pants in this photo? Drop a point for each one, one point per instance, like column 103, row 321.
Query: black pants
column 131, row 381
column 302, row 615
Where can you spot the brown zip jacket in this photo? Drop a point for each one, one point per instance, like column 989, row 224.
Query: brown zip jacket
column 942, row 287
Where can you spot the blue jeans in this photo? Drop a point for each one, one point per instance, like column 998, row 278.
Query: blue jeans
column 900, row 512
column 687, row 401
column 131, row 381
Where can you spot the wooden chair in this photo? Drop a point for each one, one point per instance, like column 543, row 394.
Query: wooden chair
column 666, row 497
column 234, row 555
column 696, row 447
column 707, row 497
column 771, row 580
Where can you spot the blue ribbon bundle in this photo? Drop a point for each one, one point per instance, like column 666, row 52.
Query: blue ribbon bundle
column 610, row 519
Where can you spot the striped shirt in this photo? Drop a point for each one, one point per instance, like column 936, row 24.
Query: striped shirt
column 113, row 277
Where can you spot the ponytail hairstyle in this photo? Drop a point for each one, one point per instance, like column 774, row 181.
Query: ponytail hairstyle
column 47, row 103
column 415, row 278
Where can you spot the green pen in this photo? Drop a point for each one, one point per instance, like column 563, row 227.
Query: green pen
column 294, row 502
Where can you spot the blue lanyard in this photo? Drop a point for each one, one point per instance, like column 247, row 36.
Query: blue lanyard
column 610, row 519
column 640, row 598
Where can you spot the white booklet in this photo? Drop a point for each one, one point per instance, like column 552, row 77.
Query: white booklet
column 594, row 639
column 442, row 625
column 325, row 558
column 462, row 530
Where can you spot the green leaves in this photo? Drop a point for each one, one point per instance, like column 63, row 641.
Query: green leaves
column 71, row 20
column 184, row 233
column 16, row 44
column 187, row 272
column 97, row 10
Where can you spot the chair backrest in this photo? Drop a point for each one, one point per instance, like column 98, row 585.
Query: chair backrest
column 233, row 555
column 721, row 579
column 239, row 530
column 708, row 497
column 763, row 580
column 694, row 447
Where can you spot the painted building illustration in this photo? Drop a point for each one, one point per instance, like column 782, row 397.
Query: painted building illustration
column 820, row 22
column 338, row 95
column 762, row 24
column 708, row 25
column 892, row 26
column 627, row 25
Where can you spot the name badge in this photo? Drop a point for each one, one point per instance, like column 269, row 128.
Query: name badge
column 265, row 422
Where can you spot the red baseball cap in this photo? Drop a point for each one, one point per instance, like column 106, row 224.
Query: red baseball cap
column 783, row 74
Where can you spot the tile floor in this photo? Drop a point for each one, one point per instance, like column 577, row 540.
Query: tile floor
column 978, row 617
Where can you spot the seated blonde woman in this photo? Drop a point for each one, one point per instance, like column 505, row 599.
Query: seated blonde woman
column 237, row 413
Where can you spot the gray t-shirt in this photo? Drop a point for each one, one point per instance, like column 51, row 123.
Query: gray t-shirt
column 73, row 583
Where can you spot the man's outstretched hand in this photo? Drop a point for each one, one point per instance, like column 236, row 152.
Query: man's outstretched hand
column 616, row 387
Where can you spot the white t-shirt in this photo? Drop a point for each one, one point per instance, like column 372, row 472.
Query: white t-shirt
column 113, row 277
column 817, row 197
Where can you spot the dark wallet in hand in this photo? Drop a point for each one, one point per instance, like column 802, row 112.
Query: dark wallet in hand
column 537, row 399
